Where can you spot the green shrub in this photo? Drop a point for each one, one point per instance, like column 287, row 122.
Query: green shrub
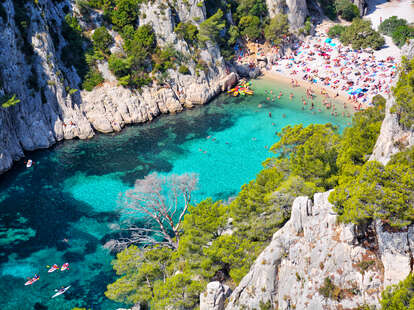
column 125, row 13
column 389, row 25
column 73, row 53
column 8, row 101
column 92, row 79
column 277, row 29
column 250, row 27
column 376, row 192
column 346, row 9
column 404, row 94
column 361, row 35
column 336, row 31
column 102, row 40
column 329, row 9
column 330, row 290
column 187, row 31
column 184, row 70
column 211, row 27
column 402, row 34
column 400, row 296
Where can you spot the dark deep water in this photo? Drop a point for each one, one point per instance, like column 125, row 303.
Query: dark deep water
column 71, row 192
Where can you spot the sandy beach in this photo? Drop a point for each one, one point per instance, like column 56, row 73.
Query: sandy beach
column 321, row 63
column 317, row 89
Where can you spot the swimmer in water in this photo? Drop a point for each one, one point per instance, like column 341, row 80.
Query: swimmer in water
column 284, row 115
column 254, row 139
column 291, row 96
column 273, row 124
column 270, row 114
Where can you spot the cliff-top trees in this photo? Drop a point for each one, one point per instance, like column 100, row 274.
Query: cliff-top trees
column 277, row 29
column 376, row 192
column 211, row 27
column 404, row 94
column 400, row 296
column 250, row 27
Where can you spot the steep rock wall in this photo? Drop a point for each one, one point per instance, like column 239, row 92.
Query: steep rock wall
column 50, row 112
column 311, row 247
column 296, row 10
column 392, row 136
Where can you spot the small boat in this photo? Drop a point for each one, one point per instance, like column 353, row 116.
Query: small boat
column 61, row 291
column 29, row 163
column 64, row 267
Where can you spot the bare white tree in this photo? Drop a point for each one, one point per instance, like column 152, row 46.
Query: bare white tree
column 161, row 201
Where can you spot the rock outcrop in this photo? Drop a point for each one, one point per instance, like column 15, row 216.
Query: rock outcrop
column 296, row 10
column 214, row 296
column 52, row 109
column 313, row 249
column 393, row 137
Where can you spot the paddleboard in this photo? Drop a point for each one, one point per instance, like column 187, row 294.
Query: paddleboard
column 62, row 292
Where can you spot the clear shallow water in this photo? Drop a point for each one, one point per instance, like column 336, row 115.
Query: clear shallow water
column 72, row 190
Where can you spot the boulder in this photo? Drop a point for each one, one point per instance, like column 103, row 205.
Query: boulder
column 214, row 296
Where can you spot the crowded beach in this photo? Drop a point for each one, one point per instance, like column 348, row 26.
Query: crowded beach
column 325, row 66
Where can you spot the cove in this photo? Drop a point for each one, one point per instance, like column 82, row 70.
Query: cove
column 72, row 190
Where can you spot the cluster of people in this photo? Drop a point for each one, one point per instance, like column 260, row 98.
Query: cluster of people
column 358, row 74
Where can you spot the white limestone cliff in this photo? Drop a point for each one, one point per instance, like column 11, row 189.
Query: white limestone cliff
column 51, row 113
column 312, row 246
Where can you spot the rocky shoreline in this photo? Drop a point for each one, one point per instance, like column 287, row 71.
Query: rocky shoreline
column 53, row 109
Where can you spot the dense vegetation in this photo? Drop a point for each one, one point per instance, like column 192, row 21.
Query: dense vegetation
column 343, row 8
column 398, row 29
column 400, row 296
column 346, row 9
column 404, row 94
column 361, row 35
column 308, row 159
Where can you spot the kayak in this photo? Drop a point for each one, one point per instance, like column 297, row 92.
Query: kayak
column 61, row 292
column 53, row 269
column 64, row 267
column 31, row 281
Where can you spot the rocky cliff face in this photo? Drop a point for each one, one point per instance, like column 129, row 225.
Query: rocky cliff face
column 296, row 10
column 312, row 250
column 49, row 110
column 392, row 136
column 292, row 272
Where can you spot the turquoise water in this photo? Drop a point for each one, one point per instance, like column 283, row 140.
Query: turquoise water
column 72, row 190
